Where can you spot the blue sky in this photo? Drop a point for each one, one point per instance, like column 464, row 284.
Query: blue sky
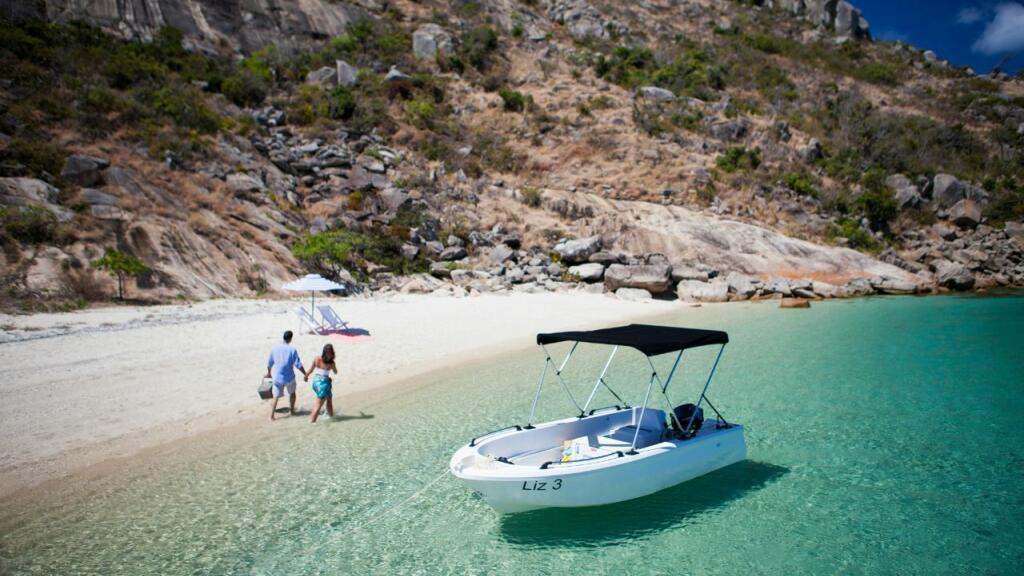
column 972, row 33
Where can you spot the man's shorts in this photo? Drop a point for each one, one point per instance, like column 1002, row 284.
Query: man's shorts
column 281, row 387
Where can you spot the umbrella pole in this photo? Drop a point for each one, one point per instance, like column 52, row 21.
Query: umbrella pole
column 312, row 305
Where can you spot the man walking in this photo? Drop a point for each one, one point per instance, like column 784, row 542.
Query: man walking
column 283, row 359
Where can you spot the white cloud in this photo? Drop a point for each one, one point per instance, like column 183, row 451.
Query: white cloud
column 1005, row 33
column 969, row 15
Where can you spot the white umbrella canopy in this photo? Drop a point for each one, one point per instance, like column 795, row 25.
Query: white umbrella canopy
column 313, row 283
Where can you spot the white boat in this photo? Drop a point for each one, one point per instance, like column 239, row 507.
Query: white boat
column 604, row 455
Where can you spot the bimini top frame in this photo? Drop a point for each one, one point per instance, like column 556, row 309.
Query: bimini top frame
column 648, row 339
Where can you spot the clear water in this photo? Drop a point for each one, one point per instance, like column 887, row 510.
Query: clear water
column 884, row 435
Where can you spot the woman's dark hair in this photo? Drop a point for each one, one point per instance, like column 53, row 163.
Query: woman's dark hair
column 328, row 354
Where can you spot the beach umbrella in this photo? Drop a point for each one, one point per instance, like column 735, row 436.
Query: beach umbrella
column 313, row 283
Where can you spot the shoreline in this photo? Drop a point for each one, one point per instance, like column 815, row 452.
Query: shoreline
column 120, row 404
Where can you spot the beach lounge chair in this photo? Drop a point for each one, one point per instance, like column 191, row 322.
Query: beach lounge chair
column 308, row 321
column 331, row 318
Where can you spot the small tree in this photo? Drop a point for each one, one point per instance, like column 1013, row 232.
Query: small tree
column 120, row 264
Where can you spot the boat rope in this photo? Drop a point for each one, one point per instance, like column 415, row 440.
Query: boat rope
column 376, row 514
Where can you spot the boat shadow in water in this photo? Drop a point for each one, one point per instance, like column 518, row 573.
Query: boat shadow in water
column 639, row 518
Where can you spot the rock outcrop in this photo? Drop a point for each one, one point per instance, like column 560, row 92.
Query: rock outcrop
column 245, row 25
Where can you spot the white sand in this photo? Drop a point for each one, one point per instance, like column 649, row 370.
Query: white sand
column 85, row 386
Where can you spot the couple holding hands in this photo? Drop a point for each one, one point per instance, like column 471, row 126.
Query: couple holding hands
column 281, row 368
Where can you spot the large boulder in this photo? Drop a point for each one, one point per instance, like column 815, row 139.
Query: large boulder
column 33, row 192
column 429, row 40
column 681, row 272
column 500, row 253
column 740, row 285
column 656, row 93
column 850, row 22
column 947, row 190
column 26, row 191
column 965, row 214
column 632, row 294
column 453, row 253
column 655, row 278
column 83, row 170
column 323, row 75
column 954, row 276
column 589, row 272
column 578, row 251
column 696, row 291
column 242, row 183
column 891, row 285
column 346, row 73
column 91, row 196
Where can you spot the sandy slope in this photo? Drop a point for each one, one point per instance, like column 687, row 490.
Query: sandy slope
column 82, row 387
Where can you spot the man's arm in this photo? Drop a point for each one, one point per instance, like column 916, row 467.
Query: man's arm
column 270, row 364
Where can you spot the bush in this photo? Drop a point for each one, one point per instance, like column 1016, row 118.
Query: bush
column 878, row 73
column 1007, row 200
column 186, row 107
column 801, row 183
column 513, row 101
column 343, row 249
column 341, row 103
column 877, row 202
column 421, row 113
column 855, row 236
column 30, row 224
column 127, row 68
column 245, row 88
column 477, row 47
column 120, row 265
column 531, row 196
column 738, row 158
column 36, row 158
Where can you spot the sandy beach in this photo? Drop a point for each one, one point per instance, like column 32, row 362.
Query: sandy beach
column 85, row 386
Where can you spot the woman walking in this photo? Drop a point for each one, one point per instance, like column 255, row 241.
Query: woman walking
column 323, row 365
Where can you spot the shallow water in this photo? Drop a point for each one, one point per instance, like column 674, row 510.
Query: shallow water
column 884, row 436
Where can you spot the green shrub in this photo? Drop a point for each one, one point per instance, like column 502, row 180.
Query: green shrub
column 245, row 88
column 477, row 46
column 351, row 250
column 36, row 158
column 126, row 68
column 29, row 224
column 341, row 103
column 626, row 66
column 691, row 74
column 186, row 107
column 856, row 237
column 877, row 202
column 421, row 113
column 739, row 158
column 120, row 265
column 512, row 100
column 878, row 73
column 801, row 183
column 1007, row 200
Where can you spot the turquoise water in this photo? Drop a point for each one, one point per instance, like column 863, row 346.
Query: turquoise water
column 885, row 437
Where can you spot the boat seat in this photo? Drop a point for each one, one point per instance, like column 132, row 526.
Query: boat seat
column 623, row 438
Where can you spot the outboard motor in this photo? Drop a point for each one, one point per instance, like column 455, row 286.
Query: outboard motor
column 683, row 414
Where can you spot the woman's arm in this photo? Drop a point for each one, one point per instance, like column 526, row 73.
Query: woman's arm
column 334, row 367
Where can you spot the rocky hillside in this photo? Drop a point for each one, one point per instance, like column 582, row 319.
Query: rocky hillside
column 708, row 150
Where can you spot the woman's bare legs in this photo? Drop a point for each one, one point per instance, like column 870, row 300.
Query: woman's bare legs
column 316, row 410
column 330, row 406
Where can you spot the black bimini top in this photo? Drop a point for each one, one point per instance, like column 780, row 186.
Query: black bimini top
column 651, row 340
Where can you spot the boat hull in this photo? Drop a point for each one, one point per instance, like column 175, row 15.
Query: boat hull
column 510, row 489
